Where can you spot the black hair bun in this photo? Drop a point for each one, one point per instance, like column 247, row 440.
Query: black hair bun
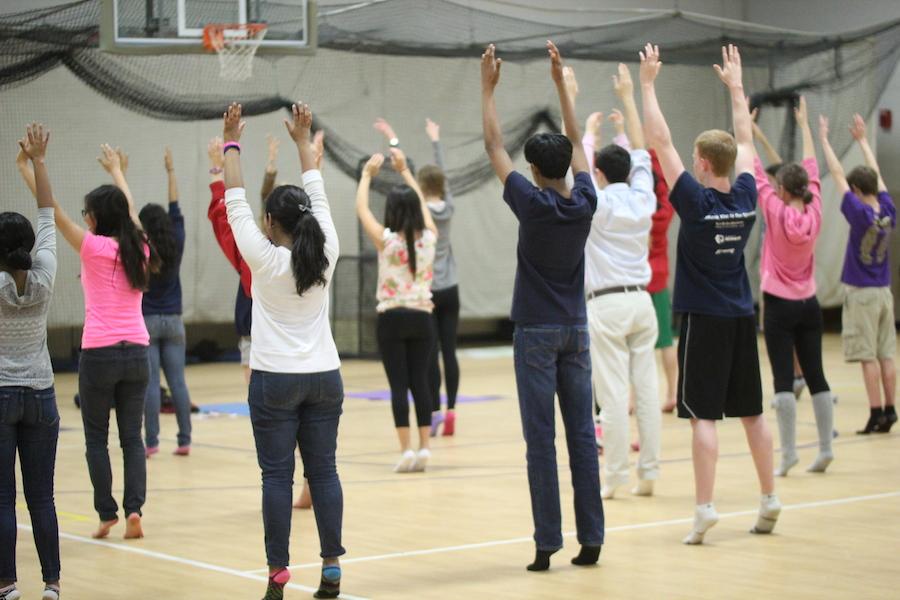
column 18, row 260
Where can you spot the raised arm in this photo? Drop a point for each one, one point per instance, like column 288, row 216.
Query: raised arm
column 170, row 172
column 567, row 108
column 319, row 146
column 271, row 171
column 831, row 159
column 592, row 139
column 298, row 127
column 398, row 161
column 624, row 88
column 731, row 74
column 26, row 171
column 387, row 131
column 802, row 116
column 34, row 147
column 772, row 156
column 490, row 123
column 231, row 136
column 433, row 131
column 371, row 226
column 112, row 160
column 656, row 130
column 858, row 130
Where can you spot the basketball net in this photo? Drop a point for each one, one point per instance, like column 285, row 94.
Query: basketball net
column 236, row 45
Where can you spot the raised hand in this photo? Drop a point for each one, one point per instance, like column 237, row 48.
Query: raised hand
column 556, row 64
column 433, row 130
column 398, row 160
column 650, row 64
column 618, row 120
column 731, row 71
column 214, row 151
column 110, row 159
column 570, row 81
column 824, row 129
column 385, row 128
column 233, row 125
column 754, row 114
column 373, row 166
column 800, row 112
column 858, row 128
column 319, row 147
column 272, row 142
column 123, row 160
column 34, row 144
column 622, row 83
column 170, row 165
column 490, row 69
column 593, row 125
column 298, row 126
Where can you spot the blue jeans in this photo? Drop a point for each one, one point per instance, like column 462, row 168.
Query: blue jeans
column 29, row 421
column 556, row 359
column 114, row 377
column 287, row 409
column 167, row 347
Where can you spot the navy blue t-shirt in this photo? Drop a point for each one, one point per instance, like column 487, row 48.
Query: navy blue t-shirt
column 710, row 276
column 553, row 230
column 163, row 295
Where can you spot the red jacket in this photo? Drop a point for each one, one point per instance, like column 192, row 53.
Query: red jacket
column 222, row 230
column 659, row 240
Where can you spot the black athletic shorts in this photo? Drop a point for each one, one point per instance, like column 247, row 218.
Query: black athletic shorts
column 718, row 368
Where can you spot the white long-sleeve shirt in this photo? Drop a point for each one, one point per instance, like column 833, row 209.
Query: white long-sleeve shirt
column 617, row 247
column 291, row 333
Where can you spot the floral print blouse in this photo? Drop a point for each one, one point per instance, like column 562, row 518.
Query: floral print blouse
column 397, row 287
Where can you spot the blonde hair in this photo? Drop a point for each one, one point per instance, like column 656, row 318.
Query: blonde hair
column 719, row 148
column 432, row 181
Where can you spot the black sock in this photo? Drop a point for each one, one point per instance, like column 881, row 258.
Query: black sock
column 876, row 418
column 890, row 410
column 589, row 555
column 541, row 560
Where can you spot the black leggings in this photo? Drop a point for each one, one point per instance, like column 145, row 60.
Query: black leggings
column 791, row 324
column 446, row 320
column 406, row 341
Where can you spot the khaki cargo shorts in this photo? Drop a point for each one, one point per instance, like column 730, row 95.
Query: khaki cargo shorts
column 868, row 331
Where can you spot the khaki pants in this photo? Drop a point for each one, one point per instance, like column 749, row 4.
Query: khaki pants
column 623, row 335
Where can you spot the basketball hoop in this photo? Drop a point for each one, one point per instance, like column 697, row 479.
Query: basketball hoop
column 236, row 45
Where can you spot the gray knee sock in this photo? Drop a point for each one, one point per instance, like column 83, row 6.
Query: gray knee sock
column 785, row 404
column 823, row 406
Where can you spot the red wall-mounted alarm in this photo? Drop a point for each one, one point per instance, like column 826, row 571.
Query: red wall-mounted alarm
column 885, row 118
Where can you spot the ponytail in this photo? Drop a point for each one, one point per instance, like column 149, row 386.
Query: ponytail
column 109, row 208
column 16, row 241
column 795, row 181
column 290, row 207
column 308, row 260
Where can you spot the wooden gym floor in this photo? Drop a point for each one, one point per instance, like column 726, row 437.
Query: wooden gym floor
column 463, row 528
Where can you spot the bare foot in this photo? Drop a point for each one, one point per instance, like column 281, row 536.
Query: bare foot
column 133, row 529
column 305, row 499
column 103, row 529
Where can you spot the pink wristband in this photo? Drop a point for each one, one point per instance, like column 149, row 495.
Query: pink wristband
column 231, row 145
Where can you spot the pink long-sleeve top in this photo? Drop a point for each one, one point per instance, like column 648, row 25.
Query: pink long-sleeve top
column 789, row 268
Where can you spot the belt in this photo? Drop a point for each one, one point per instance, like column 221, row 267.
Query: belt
column 617, row 290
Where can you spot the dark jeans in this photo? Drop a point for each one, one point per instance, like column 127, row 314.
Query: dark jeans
column 556, row 359
column 287, row 410
column 29, row 421
column 114, row 377
column 167, row 347
column 791, row 324
column 446, row 320
column 406, row 341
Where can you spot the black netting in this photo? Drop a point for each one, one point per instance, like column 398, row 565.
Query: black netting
column 36, row 41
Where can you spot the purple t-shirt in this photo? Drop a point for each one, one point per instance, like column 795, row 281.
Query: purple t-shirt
column 866, row 261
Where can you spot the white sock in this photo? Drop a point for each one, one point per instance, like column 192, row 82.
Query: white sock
column 421, row 460
column 644, row 488
column 407, row 461
column 705, row 516
column 785, row 405
column 769, row 509
column 823, row 406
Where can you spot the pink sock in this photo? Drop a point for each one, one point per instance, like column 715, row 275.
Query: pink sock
column 281, row 577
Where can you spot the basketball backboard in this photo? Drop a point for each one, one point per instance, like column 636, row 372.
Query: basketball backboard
column 172, row 26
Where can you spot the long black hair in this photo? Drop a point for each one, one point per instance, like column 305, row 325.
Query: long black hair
column 109, row 208
column 16, row 241
column 403, row 213
column 290, row 207
column 158, row 227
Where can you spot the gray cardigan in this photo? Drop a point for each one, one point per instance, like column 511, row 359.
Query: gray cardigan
column 444, row 263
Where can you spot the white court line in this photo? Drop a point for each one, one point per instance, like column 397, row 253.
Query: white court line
column 649, row 525
column 186, row 561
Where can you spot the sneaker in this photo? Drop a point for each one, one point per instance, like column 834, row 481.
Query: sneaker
column 182, row 451
column 151, row 450
column 50, row 593
column 421, row 460
column 10, row 593
column 330, row 584
column 407, row 462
